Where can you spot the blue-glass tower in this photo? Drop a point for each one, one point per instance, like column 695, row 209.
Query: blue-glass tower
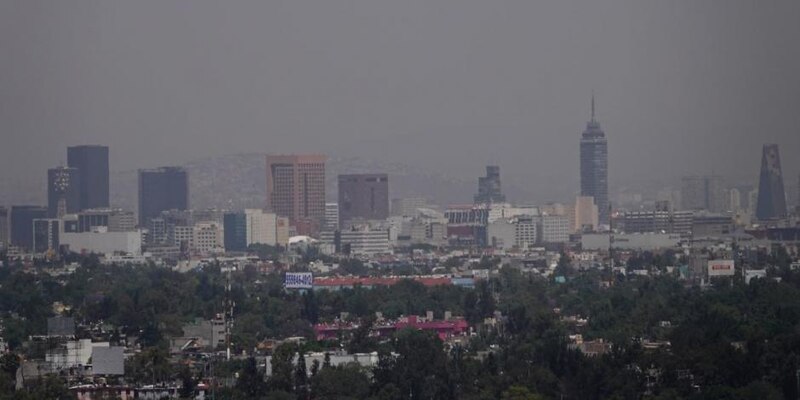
column 594, row 166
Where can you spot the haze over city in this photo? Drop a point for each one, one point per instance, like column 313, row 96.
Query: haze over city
column 682, row 87
column 407, row 199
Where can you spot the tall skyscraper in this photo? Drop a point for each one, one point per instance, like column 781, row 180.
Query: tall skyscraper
column 92, row 164
column 594, row 166
column 46, row 234
column 235, row 225
column 3, row 227
column 63, row 191
column 489, row 187
column 363, row 197
column 162, row 189
column 21, row 222
column 771, row 196
column 296, row 190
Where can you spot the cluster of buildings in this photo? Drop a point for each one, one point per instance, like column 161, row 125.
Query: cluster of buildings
column 365, row 221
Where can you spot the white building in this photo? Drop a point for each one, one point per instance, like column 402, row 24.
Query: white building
column 73, row 353
column 501, row 233
column 554, row 229
column 520, row 232
column 208, row 238
column 331, row 217
column 505, row 210
column 365, row 241
column 182, row 235
column 103, row 242
column 261, row 227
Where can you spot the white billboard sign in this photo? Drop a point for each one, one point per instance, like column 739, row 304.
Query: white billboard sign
column 720, row 268
column 299, row 280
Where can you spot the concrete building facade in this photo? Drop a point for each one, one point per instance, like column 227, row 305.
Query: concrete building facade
column 586, row 215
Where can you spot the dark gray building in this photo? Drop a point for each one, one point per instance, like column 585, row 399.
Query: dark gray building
column 92, row 162
column 3, row 227
column 798, row 195
column 594, row 166
column 235, row 225
column 489, row 187
column 46, row 235
column 363, row 197
column 63, row 191
column 162, row 189
column 771, row 196
column 21, row 222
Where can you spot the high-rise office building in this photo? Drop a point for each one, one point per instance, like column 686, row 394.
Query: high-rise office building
column 703, row 193
column 63, row 191
column 21, row 224
column 296, row 190
column 3, row 228
column 162, row 189
column 489, row 187
column 235, row 225
column 92, row 164
column 261, row 227
column 771, row 196
column 594, row 166
column 46, row 234
column 363, row 197
column 331, row 217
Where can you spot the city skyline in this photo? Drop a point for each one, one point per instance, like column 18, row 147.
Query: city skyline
column 379, row 199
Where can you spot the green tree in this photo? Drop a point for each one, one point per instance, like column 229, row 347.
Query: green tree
column 301, row 377
column 282, row 378
column 251, row 382
column 342, row 383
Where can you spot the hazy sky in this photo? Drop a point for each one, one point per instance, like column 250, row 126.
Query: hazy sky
column 682, row 86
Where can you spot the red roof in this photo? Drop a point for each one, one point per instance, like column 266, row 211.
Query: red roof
column 378, row 281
